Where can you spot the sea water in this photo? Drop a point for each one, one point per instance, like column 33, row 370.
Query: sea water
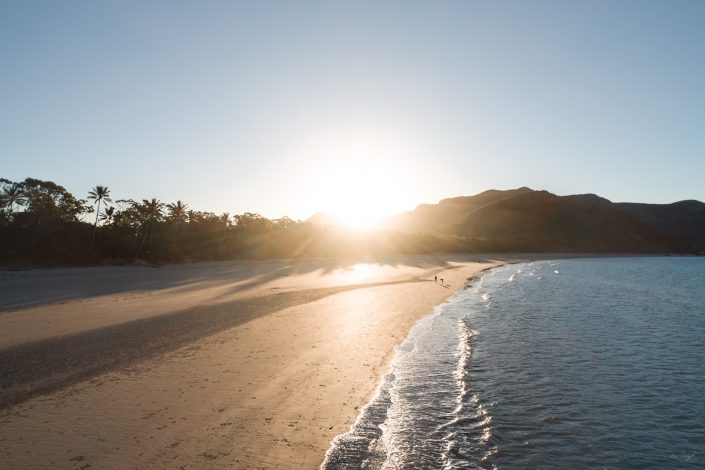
column 583, row 363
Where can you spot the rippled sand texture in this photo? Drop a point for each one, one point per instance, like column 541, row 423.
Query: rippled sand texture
column 268, row 386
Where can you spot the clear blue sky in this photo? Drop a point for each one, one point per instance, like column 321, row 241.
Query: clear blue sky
column 285, row 108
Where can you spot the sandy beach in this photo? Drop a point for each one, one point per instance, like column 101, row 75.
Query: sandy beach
column 211, row 365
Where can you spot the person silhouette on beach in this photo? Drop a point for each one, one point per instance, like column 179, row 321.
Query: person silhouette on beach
column 442, row 283
column 435, row 279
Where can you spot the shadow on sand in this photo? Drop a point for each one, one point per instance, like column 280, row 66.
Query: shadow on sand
column 43, row 286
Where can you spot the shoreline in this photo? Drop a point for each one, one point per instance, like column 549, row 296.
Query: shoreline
column 271, row 392
column 438, row 403
column 395, row 351
column 436, row 310
column 412, row 335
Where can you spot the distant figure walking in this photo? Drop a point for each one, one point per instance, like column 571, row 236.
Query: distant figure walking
column 435, row 279
column 442, row 281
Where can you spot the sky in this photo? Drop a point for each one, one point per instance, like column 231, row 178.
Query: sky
column 288, row 108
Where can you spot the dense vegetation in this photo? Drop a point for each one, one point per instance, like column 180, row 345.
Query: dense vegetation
column 41, row 223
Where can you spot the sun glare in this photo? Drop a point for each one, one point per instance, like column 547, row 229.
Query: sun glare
column 363, row 175
column 358, row 218
column 361, row 194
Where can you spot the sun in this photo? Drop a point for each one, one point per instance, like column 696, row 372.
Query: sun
column 360, row 194
column 358, row 217
column 360, row 175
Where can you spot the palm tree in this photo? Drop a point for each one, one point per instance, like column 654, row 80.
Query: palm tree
column 177, row 211
column 152, row 211
column 12, row 195
column 108, row 215
column 98, row 194
column 178, row 215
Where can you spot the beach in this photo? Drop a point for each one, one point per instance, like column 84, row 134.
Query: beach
column 236, row 364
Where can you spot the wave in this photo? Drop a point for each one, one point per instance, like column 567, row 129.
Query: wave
column 423, row 409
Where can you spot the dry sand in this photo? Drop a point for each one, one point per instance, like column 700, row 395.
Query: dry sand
column 296, row 350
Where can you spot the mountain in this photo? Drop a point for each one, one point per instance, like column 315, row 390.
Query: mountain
column 527, row 220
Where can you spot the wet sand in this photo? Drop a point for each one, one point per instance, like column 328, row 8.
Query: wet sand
column 257, row 365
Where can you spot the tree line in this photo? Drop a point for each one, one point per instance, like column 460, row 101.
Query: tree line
column 43, row 223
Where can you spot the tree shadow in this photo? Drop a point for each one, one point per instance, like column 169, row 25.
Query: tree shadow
column 36, row 287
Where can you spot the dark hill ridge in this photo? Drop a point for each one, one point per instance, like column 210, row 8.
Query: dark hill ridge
column 527, row 220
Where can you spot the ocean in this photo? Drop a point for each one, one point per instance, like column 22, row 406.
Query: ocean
column 576, row 363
